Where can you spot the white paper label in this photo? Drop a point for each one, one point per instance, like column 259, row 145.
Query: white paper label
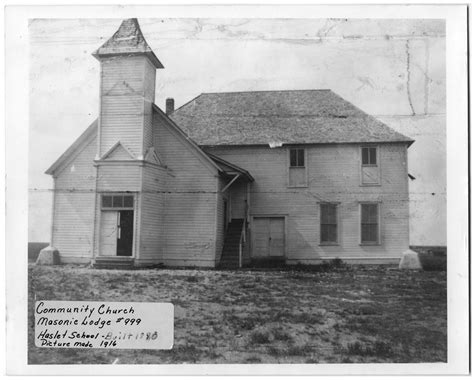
column 84, row 324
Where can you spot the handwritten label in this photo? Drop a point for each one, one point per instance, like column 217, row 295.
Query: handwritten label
column 83, row 324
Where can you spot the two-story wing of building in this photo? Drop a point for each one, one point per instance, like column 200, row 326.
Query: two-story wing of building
column 296, row 176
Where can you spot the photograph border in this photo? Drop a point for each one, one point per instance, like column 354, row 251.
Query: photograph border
column 17, row 124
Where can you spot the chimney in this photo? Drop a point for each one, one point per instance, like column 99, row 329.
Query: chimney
column 169, row 106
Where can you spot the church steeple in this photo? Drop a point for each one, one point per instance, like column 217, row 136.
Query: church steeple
column 128, row 40
column 127, row 91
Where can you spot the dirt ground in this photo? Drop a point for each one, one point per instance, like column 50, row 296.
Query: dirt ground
column 348, row 314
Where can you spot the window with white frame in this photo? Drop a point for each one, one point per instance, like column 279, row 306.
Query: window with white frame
column 369, row 223
column 328, row 223
column 297, row 169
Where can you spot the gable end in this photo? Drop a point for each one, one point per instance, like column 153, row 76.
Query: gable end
column 204, row 158
column 76, row 147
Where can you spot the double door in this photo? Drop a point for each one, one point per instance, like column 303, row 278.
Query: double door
column 268, row 237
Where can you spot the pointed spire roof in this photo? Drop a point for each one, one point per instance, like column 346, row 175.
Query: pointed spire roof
column 128, row 40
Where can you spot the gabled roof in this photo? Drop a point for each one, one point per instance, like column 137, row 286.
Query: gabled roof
column 273, row 117
column 118, row 150
column 186, row 138
column 230, row 169
column 92, row 131
column 85, row 137
column 128, row 40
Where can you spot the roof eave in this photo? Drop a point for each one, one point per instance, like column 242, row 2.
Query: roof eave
column 231, row 165
column 286, row 144
column 149, row 54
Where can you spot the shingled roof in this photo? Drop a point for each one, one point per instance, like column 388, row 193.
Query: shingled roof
column 128, row 40
column 274, row 117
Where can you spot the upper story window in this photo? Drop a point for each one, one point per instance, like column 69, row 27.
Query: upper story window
column 370, row 168
column 297, row 172
column 117, row 202
column 297, row 158
column 369, row 156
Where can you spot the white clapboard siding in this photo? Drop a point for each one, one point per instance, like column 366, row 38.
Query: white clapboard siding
column 152, row 210
column 125, row 92
column 187, row 170
column 119, row 177
column 154, row 178
column 149, row 81
column 149, row 97
column 151, row 227
column 190, row 206
column 78, row 172
column 334, row 175
column 122, row 120
column 220, row 232
column 73, row 217
column 130, row 69
column 147, row 125
column 190, row 229
column 73, row 224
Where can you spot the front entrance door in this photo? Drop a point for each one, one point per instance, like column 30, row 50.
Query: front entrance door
column 269, row 237
column 116, row 233
column 125, row 233
column 108, row 233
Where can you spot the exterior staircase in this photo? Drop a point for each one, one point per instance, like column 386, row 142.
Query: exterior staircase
column 230, row 252
column 113, row 262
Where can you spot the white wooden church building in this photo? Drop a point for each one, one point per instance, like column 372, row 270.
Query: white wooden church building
column 297, row 176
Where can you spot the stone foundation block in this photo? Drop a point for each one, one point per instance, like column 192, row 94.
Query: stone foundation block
column 48, row 256
column 410, row 260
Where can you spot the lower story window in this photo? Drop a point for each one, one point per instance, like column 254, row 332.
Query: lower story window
column 328, row 223
column 369, row 218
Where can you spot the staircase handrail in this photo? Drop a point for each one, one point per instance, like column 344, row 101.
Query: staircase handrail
column 242, row 241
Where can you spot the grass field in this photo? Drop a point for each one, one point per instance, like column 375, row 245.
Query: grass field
column 331, row 315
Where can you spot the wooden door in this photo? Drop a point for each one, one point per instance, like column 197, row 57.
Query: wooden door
column 277, row 236
column 125, row 233
column 108, row 233
column 269, row 237
column 261, row 234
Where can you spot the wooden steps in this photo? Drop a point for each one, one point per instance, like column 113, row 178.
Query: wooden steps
column 230, row 252
column 114, row 262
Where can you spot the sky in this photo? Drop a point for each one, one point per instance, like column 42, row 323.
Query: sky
column 392, row 69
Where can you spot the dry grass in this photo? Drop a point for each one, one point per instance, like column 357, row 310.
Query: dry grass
column 348, row 314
